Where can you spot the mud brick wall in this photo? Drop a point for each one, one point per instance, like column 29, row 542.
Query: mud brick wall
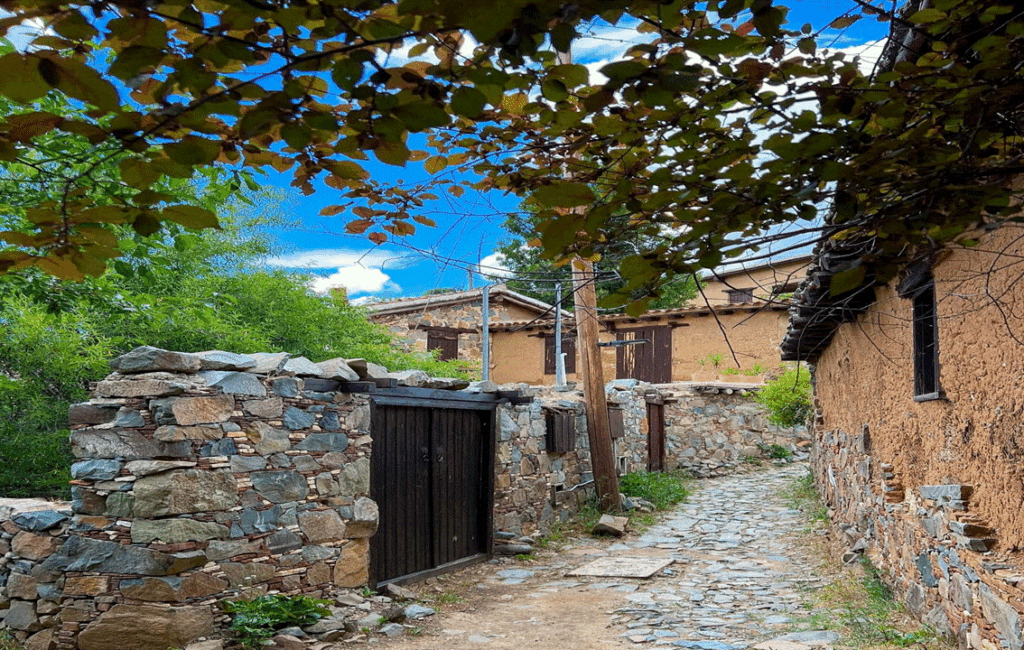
column 535, row 486
column 715, row 429
column 943, row 560
column 197, row 478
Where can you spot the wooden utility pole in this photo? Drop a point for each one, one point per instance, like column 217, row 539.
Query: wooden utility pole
column 602, row 454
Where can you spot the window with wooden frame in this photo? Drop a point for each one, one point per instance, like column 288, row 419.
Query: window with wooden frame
column 568, row 349
column 926, row 343
column 561, row 431
column 616, row 423
column 740, row 296
column 446, row 341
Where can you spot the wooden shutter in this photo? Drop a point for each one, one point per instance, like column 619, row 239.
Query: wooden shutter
column 568, row 349
column 561, row 431
column 648, row 361
column 615, row 422
column 445, row 341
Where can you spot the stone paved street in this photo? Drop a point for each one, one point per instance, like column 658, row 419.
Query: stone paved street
column 739, row 577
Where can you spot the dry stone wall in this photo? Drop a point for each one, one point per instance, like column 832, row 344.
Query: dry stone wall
column 197, row 477
column 714, row 429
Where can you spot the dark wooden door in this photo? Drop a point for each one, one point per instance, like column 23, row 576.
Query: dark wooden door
column 650, row 360
column 655, row 437
column 430, row 477
column 446, row 341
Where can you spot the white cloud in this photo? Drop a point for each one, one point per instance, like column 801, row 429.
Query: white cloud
column 331, row 258
column 355, row 279
column 494, row 266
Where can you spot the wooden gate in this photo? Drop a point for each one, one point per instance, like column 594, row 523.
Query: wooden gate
column 432, row 478
column 648, row 361
column 655, row 437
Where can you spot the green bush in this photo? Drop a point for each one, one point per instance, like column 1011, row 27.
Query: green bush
column 256, row 620
column 788, row 398
column 663, row 489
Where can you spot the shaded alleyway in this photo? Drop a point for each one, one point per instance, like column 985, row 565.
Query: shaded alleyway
column 741, row 567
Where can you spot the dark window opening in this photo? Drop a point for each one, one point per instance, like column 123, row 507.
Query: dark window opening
column 568, row 349
column 616, row 422
column 926, row 343
column 446, row 342
column 740, row 296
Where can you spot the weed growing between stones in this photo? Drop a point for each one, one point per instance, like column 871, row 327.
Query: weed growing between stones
column 446, row 598
column 803, row 495
column 663, row 489
column 256, row 620
column 7, row 642
column 776, row 451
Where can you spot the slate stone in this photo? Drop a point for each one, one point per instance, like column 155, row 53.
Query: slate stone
column 223, row 447
column 355, row 477
column 246, row 574
column 40, row 520
column 149, row 359
column 128, row 418
column 312, row 553
column 305, row 463
column 482, row 387
column 160, row 410
column 218, row 550
column 96, row 469
column 120, row 504
column 147, row 627
column 415, row 611
column 705, row 645
column 147, row 467
column 447, row 383
column 1002, row 615
column 321, row 526
column 365, row 518
column 88, row 413
column 83, row 554
column 269, row 363
column 280, row 487
column 140, row 388
column 286, row 386
column 924, row 568
column 296, row 419
column 234, row 383
column 176, row 531
column 811, row 637
column 413, row 378
column 34, row 547
column 334, row 460
column 330, row 421
column 324, row 442
column 267, row 439
column 21, row 585
column 22, row 616
column 254, row 521
column 171, row 433
column 241, row 464
column 130, row 445
column 185, row 491
column 207, row 409
column 283, row 541
column 302, row 366
column 220, row 360
column 272, row 407
column 352, row 568
column 281, row 460
column 337, row 369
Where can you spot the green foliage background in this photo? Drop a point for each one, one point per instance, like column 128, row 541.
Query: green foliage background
column 788, row 398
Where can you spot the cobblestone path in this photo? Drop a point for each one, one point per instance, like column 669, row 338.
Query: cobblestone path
column 739, row 577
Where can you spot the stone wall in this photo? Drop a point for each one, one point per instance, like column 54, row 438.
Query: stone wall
column 713, row 429
column 197, row 477
column 535, row 487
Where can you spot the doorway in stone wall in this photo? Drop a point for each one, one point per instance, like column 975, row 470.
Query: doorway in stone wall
column 432, row 478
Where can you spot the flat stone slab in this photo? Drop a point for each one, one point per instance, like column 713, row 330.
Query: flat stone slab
column 622, row 567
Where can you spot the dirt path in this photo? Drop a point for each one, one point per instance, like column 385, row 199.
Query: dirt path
column 738, row 576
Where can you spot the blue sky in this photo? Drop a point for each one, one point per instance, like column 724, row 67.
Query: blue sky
column 468, row 228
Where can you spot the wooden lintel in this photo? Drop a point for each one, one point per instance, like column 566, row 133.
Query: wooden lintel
column 445, row 329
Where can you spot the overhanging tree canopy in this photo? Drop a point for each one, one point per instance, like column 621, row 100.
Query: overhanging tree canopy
column 721, row 127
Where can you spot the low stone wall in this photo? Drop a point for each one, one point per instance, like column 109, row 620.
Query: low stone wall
column 944, row 562
column 713, row 429
column 198, row 477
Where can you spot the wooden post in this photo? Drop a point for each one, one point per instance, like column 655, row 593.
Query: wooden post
column 602, row 454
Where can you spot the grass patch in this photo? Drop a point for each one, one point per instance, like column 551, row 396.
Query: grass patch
column 803, row 495
column 256, row 620
column 663, row 489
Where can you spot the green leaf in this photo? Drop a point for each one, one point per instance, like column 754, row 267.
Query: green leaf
column 392, row 153
column 78, row 80
column 843, row 22
column 847, row 280
column 435, row 164
column 145, row 224
column 347, row 73
column 926, row 16
column 554, row 90
column 133, row 60
column 20, row 79
column 420, row 116
column 564, row 194
column 296, row 135
column 619, row 71
column 193, row 150
column 190, row 216
column 468, row 102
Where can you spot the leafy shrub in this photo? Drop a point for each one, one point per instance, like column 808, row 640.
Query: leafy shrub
column 788, row 398
column 256, row 620
column 663, row 489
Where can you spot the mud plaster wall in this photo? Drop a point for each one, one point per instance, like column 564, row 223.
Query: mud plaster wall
column 874, row 440
column 762, row 281
column 186, row 494
column 753, row 336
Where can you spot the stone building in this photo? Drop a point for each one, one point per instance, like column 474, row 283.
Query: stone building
column 918, row 434
column 451, row 322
